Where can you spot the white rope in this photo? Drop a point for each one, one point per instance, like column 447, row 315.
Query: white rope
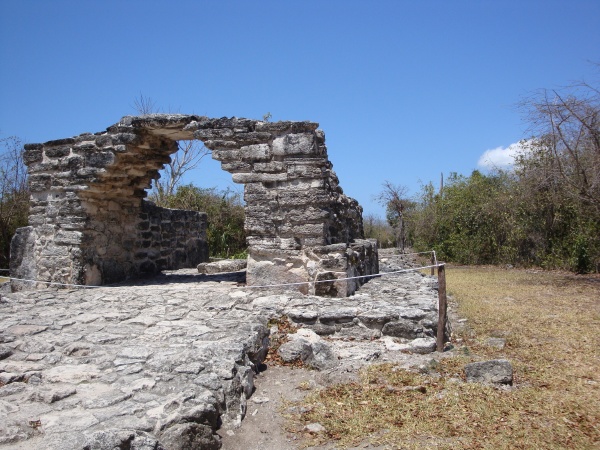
column 408, row 254
column 376, row 275
column 57, row 283
column 300, row 283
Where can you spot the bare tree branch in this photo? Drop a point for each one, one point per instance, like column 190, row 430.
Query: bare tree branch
column 144, row 105
column 567, row 125
column 187, row 158
column 394, row 198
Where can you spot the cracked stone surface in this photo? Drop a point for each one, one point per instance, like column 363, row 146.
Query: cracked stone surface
column 170, row 362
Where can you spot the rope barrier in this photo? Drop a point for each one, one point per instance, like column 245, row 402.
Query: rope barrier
column 300, row 283
column 86, row 286
column 408, row 254
column 377, row 275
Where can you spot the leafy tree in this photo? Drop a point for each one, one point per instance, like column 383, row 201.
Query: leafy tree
column 561, row 229
column 14, row 194
column 521, row 218
column 559, row 174
column 546, row 212
column 469, row 223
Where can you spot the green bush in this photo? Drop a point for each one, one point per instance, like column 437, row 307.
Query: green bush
column 14, row 194
column 507, row 218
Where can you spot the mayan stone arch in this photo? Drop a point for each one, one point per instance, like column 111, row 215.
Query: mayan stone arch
column 89, row 223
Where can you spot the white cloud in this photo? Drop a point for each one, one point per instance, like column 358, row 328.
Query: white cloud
column 500, row 157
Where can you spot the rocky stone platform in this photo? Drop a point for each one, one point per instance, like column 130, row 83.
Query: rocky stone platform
column 169, row 362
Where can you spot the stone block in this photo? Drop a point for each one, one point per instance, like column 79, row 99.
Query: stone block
column 286, row 127
column 258, row 177
column 68, row 238
column 294, row 350
column 423, row 346
column 402, row 328
column 219, row 144
column 323, row 357
column 253, row 138
column 236, row 167
column 256, row 152
column 497, row 371
column 338, row 315
column 57, row 152
column 227, row 155
column 214, row 134
column 32, row 154
column 269, row 267
column 99, row 159
column 188, row 435
column 306, row 229
column 271, row 167
column 40, row 182
column 311, row 169
column 226, row 265
column 376, row 319
column 295, row 145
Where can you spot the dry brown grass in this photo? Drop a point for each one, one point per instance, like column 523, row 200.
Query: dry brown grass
column 551, row 322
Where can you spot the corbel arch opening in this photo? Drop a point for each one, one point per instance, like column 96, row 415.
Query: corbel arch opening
column 300, row 227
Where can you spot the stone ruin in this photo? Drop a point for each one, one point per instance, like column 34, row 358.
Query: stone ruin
column 90, row 225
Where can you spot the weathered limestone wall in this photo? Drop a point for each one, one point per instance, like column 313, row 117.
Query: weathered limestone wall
column 170, row 238
column 90, row 225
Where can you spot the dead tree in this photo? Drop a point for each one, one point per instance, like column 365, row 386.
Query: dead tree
column 394, row 198
column 188, row 156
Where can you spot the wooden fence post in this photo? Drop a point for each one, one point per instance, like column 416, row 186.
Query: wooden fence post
column 432, row 264
column 442, row 305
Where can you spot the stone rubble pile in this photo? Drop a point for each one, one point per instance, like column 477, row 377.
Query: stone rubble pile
column 169, row 362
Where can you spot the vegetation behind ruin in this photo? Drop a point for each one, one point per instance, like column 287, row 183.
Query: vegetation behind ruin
column 14, row 195
column 225, row 212
column 543, row 212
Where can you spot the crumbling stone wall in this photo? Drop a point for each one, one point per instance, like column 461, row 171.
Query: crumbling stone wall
column 90, row 225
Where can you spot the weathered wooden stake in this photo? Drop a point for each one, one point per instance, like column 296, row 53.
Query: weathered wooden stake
column 432, row 264
column 442, row 307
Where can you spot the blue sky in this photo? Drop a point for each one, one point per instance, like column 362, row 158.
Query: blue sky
column 404, row 90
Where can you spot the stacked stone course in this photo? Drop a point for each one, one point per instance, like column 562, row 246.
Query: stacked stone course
column 89, row 223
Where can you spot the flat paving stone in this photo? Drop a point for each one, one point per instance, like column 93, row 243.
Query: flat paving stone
column 140, row 362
